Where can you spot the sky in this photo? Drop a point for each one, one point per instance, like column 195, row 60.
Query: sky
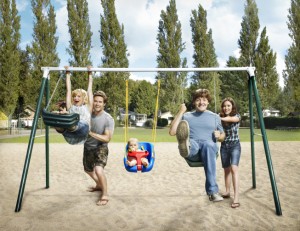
column 141, row 17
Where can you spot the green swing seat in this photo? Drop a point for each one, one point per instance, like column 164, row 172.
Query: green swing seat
column 60, row 120
column 197, row 163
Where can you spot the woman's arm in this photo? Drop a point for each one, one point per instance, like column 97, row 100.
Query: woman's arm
column 69, row 90
column 90, row 91
column 230, row 119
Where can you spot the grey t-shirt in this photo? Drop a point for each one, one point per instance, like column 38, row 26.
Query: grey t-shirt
column 99, row 123
column 203, row 124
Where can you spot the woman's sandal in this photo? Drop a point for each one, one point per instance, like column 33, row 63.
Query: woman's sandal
column 226, row 195
column 235, row 205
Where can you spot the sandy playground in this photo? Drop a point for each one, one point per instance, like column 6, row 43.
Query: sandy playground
column 170, row 197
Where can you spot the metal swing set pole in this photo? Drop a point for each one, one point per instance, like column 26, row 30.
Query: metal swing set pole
column 31, row 141
column 251, row 88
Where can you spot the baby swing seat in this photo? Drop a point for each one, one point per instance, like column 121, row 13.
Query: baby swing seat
column 146, row 150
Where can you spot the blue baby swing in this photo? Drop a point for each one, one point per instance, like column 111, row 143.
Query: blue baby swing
column 146, row 149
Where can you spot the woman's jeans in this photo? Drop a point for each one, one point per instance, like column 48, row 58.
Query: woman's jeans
column 206, row 151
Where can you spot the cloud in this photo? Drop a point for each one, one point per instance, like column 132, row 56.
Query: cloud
column 141, row 17
column 22, row 5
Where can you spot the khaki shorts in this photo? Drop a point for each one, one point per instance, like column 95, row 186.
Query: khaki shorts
column 95, row 157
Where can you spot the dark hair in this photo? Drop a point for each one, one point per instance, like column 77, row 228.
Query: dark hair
column 234, row 109
column 101, row 94
column 203, row 93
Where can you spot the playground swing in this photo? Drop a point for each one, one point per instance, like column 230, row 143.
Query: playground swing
column 145, row 149
column 59, row 120
column 200, row 163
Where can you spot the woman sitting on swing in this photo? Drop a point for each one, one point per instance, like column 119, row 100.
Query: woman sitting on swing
column 81, row 102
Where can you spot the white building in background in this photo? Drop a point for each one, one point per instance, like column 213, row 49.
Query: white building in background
column 168, row 116
column 271, row 113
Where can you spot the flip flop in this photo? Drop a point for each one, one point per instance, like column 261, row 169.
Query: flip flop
column 102, row 202
column 235, row 205
column 225, row 195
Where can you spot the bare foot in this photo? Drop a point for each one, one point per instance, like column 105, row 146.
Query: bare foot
column 145, row 162
column 130, row 163
column 103, row 201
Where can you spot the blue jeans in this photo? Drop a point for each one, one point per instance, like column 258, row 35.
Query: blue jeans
column 230, row 154
column 78, row 136
column 205, row 151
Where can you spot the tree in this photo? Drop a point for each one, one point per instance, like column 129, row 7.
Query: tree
column 143, row 98
column 9, row 56
column 249, row 33
column 232, row 83
column 204, row 55
column 247, row 44
column 170, row 46
column 80, row 39
column 114, row 55
column 267, row 76
column 43, row 47
column 292, row 59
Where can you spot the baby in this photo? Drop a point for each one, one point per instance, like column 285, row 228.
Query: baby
column 133, row 145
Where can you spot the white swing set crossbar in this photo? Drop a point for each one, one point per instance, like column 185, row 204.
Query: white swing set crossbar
column 250, row 70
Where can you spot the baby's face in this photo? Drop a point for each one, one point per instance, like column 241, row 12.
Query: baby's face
column 133, row 146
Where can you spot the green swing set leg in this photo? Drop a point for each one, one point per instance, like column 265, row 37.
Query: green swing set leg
column 266, row 146
column 30, row 146
column 47, row 137
column 252, row 133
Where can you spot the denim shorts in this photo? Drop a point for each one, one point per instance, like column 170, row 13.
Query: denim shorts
column 230, row 154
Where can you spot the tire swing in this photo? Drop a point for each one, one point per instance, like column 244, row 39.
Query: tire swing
column 59, row 120
column 145, row 149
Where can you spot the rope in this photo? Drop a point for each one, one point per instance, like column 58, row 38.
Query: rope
column 60, row 77
column 126, row 113
column 155, row 113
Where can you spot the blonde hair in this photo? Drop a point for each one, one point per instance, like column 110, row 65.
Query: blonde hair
column 135, row 140
column 81, row 92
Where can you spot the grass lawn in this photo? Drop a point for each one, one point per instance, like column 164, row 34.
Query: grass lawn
column 162, row 135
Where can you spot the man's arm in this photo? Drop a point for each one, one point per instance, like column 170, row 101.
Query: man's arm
column 177, row 119
column 105, row 137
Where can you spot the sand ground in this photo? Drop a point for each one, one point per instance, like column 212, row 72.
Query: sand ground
column 170, row 197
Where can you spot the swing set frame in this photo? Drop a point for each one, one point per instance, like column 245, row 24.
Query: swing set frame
column 252, row 90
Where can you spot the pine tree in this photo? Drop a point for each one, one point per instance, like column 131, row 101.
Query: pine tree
column 114, row 55
column 292, row 59
column 170, row 47
column 204, row 56
column 80, row 40
column 267, row 76
column 43, row 47
column 247, row 44
column 249, row 33
column 9, row 56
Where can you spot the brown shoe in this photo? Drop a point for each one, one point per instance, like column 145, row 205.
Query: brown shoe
column 182, row 135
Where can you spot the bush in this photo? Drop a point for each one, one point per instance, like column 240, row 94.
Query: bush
column 149, row 123
column 273, row 122
column 162, row 122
